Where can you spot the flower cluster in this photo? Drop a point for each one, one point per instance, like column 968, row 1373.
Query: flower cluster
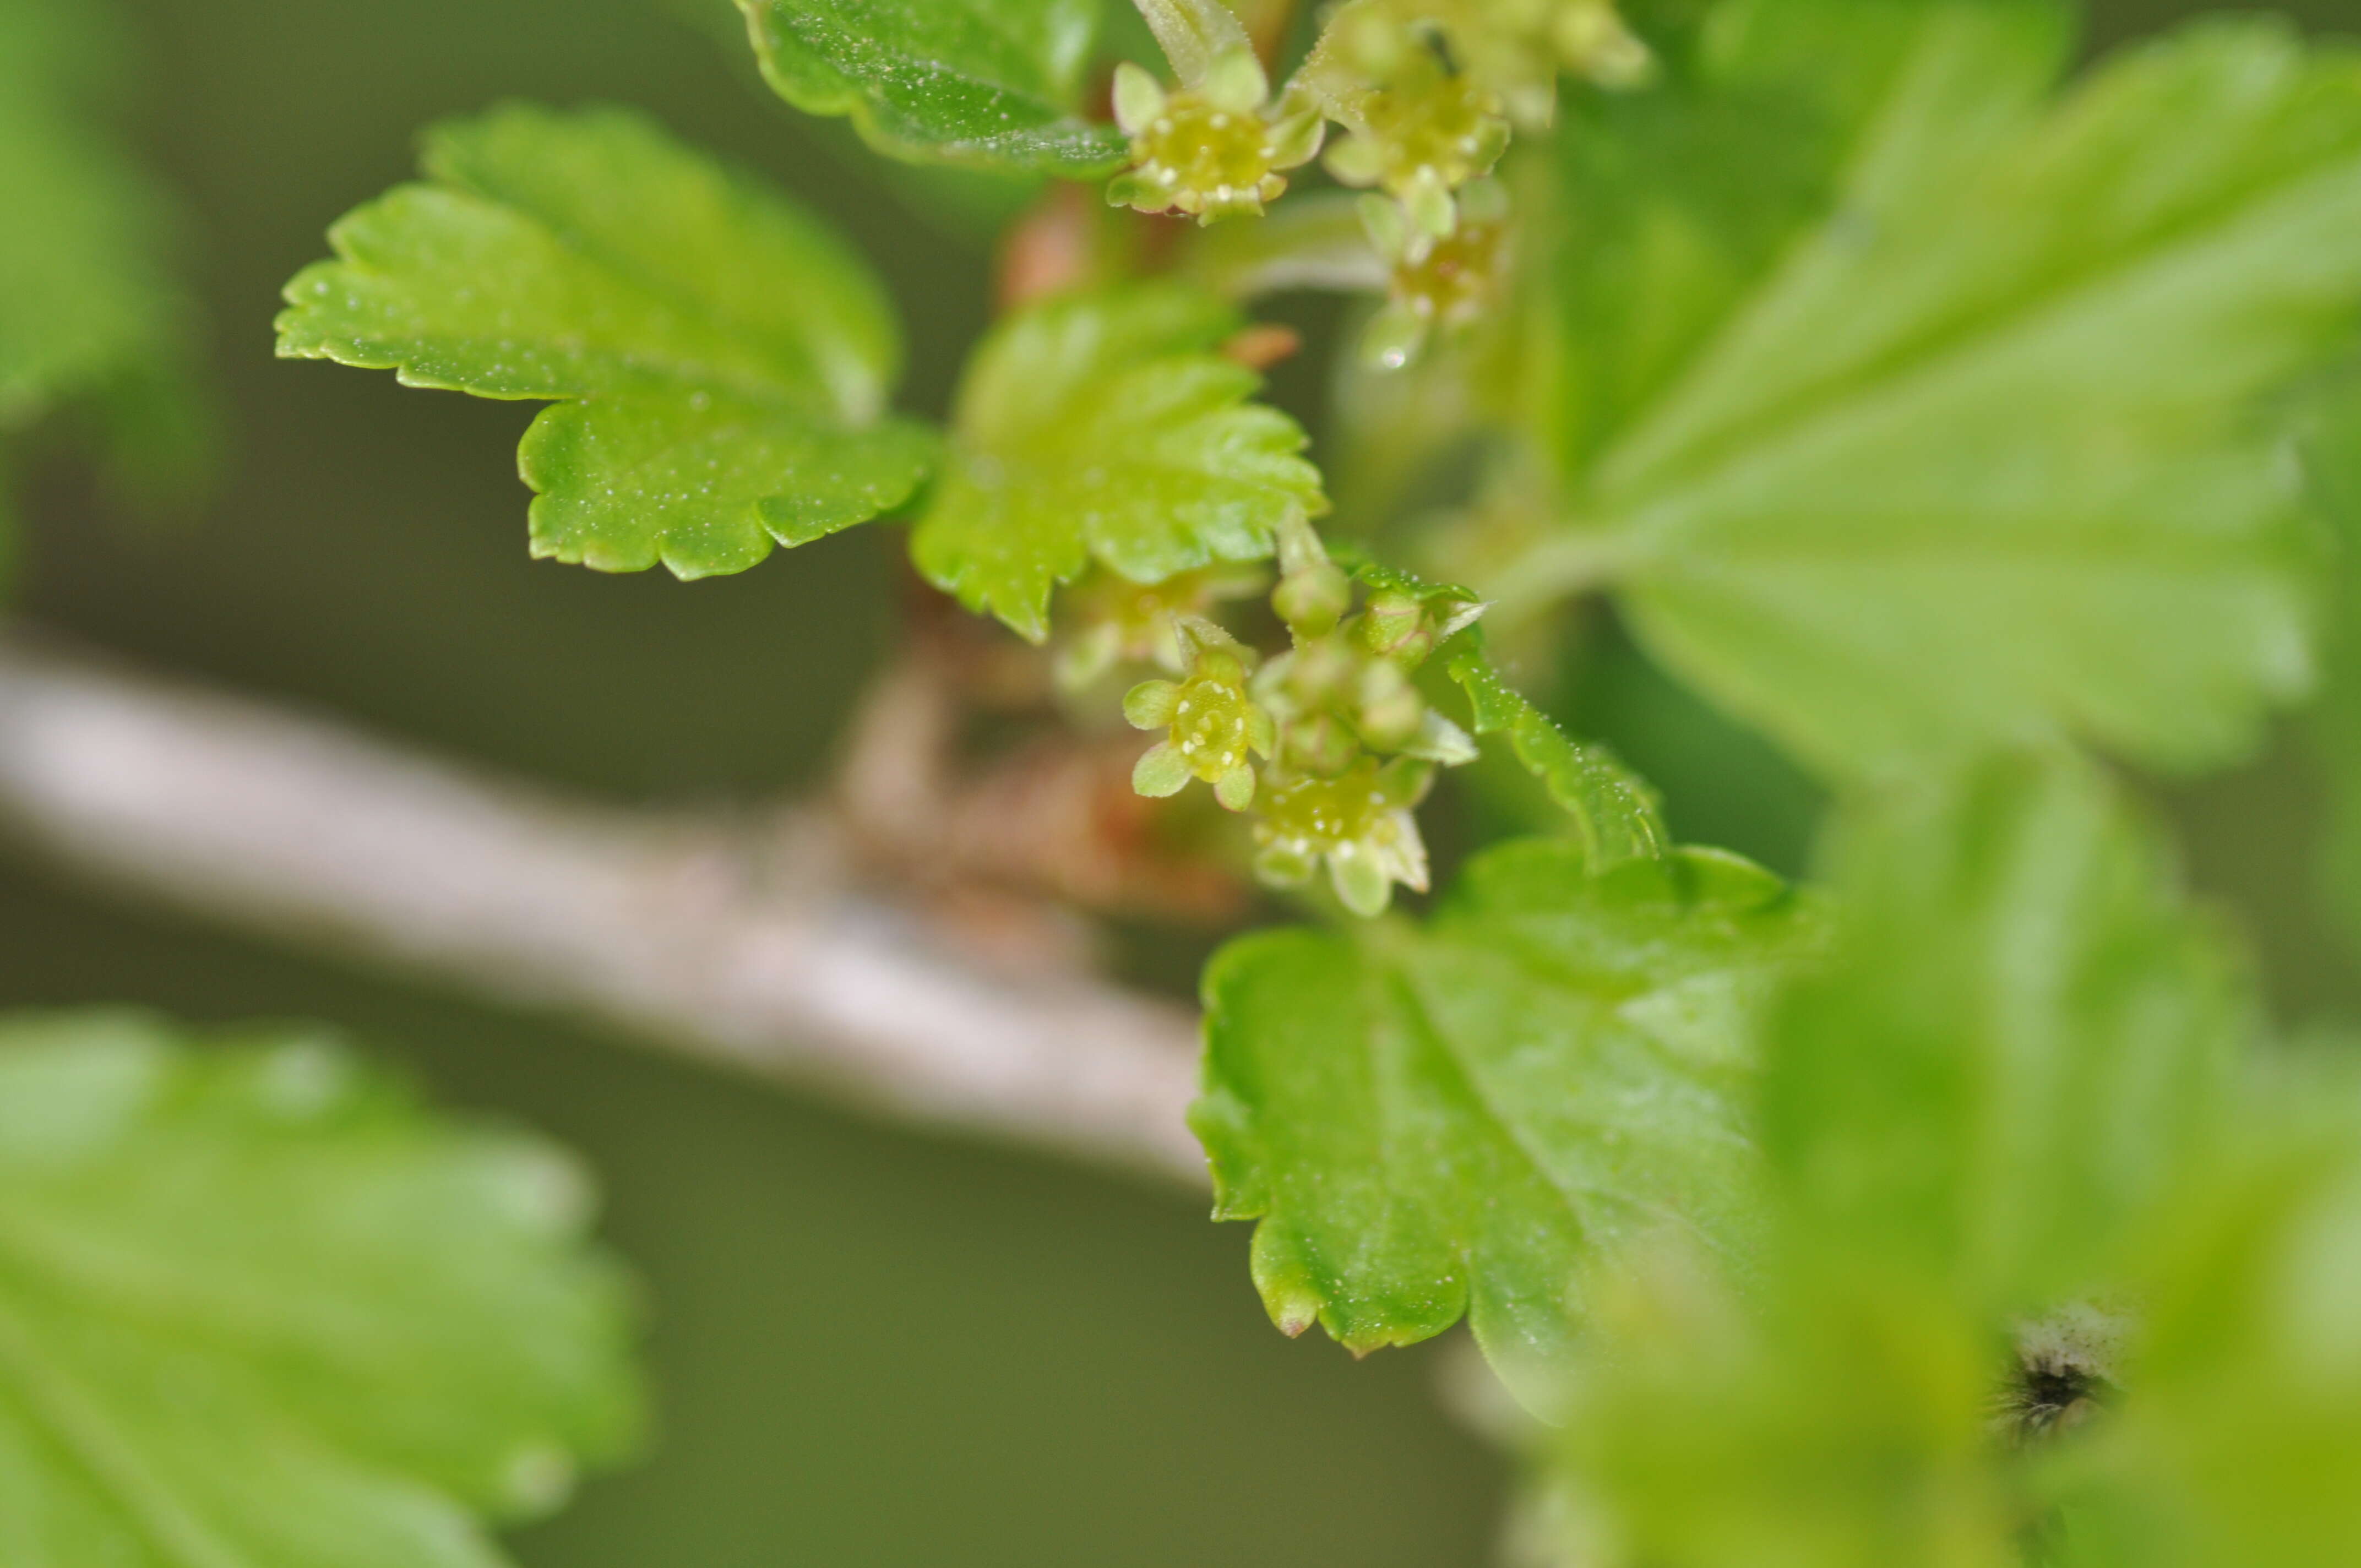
column 1427, row 92
column 1329, row 744
column 1517, row 49
column 1420, row 128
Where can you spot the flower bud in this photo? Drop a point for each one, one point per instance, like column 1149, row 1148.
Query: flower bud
column 1392, row 622
column 1313, row 600
column 1319, row 745
column 1391, row 713
column 1319, row 674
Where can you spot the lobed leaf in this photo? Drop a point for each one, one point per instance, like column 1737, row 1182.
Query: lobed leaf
column 257, row 1309
column 1455, row 1118
column 2002, row 1110
column 1915, row 411
column 1105, row 427
column 989, row 83
column 1823, row 1422
column 2024, row 1039
column 720, row 360
column 2239, row 1430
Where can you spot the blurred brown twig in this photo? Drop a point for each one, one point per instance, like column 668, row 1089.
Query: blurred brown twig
column 765, row 947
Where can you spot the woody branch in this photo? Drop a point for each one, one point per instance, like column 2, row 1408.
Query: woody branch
column 762, row 948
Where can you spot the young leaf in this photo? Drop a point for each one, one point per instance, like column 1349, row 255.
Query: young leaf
column 991, row 82
column 720, row 360
column 1617, row 817
column 1951, row 426
column 83, row 301
column 257, row 1309
column 2023, row 1041
column 1455, row 1118
column 1103, row 427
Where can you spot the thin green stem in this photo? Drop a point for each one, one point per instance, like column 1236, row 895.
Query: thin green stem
column 1556, row 567
column 1313, row 241
column 1194, row 34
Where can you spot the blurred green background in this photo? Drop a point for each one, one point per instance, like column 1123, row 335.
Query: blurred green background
column 869, row 1347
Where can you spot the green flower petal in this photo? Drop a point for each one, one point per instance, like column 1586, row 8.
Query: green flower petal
column 1161, row 771
column 1262, row 733
column 1138, row 98
column 1360, row 882
column 1278, row 866
column 1149, row 705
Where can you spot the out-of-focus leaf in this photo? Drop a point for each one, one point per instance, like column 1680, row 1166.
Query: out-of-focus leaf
column 1105, row 427
column 89, row 316
column 1912, row 412
column 1993, row 1116
column 2334, row 454
column 2238, row 1432
column 993, row 82
column 719, row 359
column 1721, row 782
column 257, row 1309
column 83, row 297
column 2023, row 1040
column 1826, row 1424
column 1453, row 1118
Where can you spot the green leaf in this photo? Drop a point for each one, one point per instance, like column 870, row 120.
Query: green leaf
column 1997, row 1113
column 83, row 300
column 1913, row 410
column 1455, row 1118
column 2333, row 460
column 2239, row 1431
column 257, row 1310
column 1817, row 1421
column 720, row 360
column 1103, row 427
column 990, row 83
column 2023, row 1041
column 2045, row 1280
column 1616, row 815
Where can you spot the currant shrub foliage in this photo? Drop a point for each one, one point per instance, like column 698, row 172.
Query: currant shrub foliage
column 1452, row 1118
column 1959, row 438
column 91, row 319
column 1930, row 403
column 997, row 83
column 2046, row 1235
column 259, row 1308
column 722, row 359
column 1105, row 428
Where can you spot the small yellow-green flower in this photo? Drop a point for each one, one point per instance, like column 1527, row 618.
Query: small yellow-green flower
column 1516, row 49
column 1213, row 726
column 1359, row 822
column 1122, row 621
column 1420, row 128
column 1212, row 150
column 1446, row 284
